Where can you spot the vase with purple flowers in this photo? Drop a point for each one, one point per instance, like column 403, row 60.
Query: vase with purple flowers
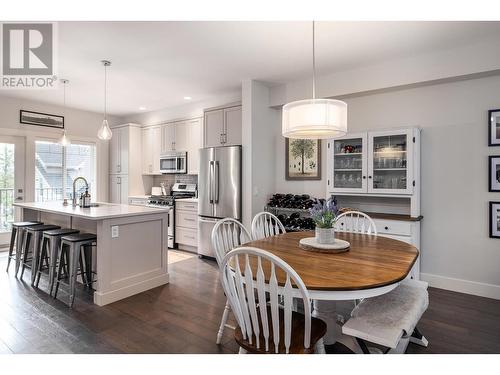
column 324, row 214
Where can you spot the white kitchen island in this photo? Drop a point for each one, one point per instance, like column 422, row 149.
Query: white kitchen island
column 131, row 253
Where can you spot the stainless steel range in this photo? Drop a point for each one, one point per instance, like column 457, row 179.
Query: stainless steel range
column 179, row 190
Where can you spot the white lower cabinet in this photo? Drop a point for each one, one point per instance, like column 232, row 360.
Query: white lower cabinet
column 118, row 189
column 405, row 231
column 186, row 225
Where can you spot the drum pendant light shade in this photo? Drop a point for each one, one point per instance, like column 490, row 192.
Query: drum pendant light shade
column 314, row 119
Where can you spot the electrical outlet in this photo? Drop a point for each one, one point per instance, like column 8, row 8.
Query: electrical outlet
column 115, row 231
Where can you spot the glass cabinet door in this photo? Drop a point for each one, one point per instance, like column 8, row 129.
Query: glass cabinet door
column 349, row 164
column 390, row 164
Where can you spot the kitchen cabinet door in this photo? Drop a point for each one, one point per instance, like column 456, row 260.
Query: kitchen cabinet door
column 349, row 167
column 232, row 126
column 156, row 149
column 181, row 141
column 118, row 189
column 194, row 135
column 167, row 138
column 147, row 151
column 114, row 152
column 213, row 128
column 118, row 153
column 390, row 162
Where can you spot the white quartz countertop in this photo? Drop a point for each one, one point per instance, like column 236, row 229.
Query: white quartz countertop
column 187, row 200
column 102, row 211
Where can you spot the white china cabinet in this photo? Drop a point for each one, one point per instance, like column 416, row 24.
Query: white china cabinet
column 374, row 162
column 378, row 172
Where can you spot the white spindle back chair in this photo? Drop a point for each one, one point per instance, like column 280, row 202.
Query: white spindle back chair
column 265, row 224
column 252, row 315
column 355, row 222
column 227, row 234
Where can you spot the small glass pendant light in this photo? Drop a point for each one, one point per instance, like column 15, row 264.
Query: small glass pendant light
column 64, row 140
column 105, row 132
column 314, row 118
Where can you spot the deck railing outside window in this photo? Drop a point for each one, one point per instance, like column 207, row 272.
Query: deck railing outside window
column 48, row 194
column 6, row 209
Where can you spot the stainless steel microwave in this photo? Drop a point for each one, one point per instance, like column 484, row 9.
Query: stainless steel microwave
column 173, row 162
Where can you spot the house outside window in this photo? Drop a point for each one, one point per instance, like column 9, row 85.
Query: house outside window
column 56, row 167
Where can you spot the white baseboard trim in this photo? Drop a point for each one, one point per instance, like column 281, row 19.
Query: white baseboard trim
column 102, row 299
column 462, row 286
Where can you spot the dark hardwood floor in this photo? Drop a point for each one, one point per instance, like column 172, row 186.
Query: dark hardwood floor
column 183, row 317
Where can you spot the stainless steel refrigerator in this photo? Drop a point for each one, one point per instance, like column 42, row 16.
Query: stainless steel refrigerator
column 219, row 191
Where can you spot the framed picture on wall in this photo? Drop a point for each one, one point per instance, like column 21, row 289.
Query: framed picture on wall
column 495, row 219
column 494, row 173
column 303, row 159
column 494, row 127
column 41, row 119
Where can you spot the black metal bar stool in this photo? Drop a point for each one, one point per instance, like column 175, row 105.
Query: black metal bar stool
column 35, row 231
column 16, row 236
column 71, row 248
column 51, row 243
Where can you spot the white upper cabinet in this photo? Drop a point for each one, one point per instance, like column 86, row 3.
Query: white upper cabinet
column 181, row 141
column 232, row 126
column 214, row 128
column 167, row 138
column 175, row 136
column 151, row 149
column 390, row 165
column 222, row 127
column 380, row 162
column 349, row 167
column 194, row 130
column 147, row 154
column 119, row 151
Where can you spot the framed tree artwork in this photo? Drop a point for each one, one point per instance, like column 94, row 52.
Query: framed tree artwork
column 303, row 159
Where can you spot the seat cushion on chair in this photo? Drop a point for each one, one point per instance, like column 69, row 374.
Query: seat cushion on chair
column 318, row 330
column 385, row 319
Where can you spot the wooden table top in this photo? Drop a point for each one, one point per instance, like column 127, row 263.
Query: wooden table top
column 372, row 261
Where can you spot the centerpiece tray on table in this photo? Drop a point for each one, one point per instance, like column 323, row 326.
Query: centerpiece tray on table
column 310, row 244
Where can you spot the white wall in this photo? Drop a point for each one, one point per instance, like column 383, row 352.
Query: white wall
column 476, row 58
column 258, row 147
column 80, row 125
column 188, row 110
column 456, row 250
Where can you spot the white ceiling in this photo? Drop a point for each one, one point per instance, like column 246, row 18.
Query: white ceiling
column 156, row 64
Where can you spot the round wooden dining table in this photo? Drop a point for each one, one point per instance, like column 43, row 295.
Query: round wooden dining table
column 373, row 265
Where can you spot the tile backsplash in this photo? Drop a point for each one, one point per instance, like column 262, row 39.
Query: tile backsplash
column 170, row 179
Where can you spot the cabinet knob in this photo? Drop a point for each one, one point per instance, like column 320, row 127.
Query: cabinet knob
column 386, row 228
column 364, row 177
column 369, row 177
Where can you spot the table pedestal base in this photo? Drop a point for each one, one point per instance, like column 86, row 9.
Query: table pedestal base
column 333, row 313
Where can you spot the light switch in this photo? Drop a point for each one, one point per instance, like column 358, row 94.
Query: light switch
column 115, row 231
